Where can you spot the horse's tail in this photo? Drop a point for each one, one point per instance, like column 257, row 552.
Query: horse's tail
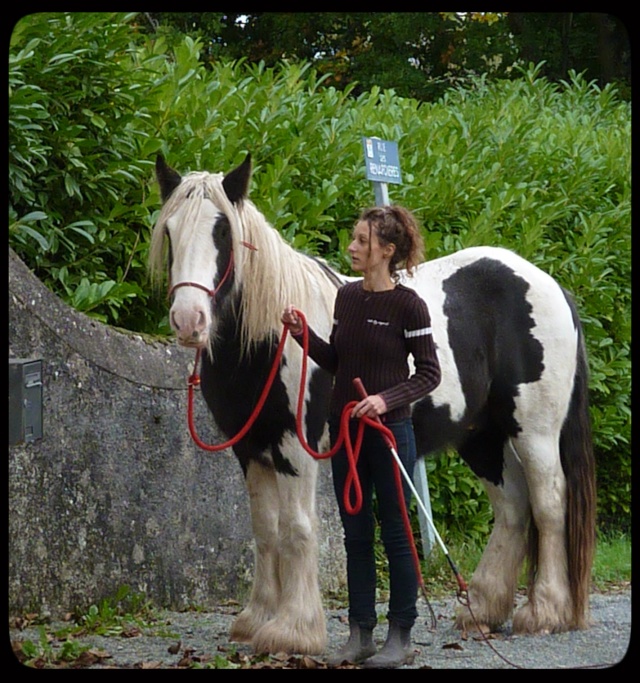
column 578, row 463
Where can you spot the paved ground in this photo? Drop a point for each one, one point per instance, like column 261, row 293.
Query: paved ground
column 201, row 639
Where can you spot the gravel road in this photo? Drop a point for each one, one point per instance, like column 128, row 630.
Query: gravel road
column 193, row 639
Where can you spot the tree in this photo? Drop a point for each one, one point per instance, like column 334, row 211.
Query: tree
column 418, row 54
column 591, row 42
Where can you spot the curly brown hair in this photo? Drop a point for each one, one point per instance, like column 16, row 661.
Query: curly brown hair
column 396, row 225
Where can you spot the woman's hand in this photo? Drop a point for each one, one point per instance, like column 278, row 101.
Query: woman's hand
column 371, row 406
column 292, row 320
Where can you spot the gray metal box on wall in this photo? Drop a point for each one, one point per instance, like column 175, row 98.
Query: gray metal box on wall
column 25, row 400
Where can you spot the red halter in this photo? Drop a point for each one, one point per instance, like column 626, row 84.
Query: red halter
column 212, row 292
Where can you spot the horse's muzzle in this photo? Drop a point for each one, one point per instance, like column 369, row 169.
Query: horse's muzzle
column 191, row 326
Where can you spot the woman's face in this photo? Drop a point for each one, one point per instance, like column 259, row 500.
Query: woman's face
column 365, row 249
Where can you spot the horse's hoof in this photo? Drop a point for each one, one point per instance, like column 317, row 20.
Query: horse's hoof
column 539, row 621
column 245, row 626
column 276, row 636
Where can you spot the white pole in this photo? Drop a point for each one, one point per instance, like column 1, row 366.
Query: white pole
column 421, row 504
column 381, row 193
column 425, row 515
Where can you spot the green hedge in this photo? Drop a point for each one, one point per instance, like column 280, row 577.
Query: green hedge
column 538, row 167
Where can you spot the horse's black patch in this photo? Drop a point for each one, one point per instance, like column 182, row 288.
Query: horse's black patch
column 320, row 386
column 231, row 386
column 169, row 250
column 489, row 326
column 222, row 241
column 434, row 430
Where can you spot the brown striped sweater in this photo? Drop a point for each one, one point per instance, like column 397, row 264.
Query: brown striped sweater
column 372, row 336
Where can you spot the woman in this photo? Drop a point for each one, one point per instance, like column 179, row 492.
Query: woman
column 378, row 322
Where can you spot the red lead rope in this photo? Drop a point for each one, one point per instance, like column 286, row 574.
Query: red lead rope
column 353, row 452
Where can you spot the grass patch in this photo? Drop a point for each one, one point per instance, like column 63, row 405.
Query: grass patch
column 611, row 566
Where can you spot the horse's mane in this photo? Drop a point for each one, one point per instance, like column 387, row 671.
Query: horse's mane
column 271, row 274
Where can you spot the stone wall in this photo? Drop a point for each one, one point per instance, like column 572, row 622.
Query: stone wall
column 116, row 493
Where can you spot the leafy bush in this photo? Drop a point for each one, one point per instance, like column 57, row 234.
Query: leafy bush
column 540, row 168
column 77, row 214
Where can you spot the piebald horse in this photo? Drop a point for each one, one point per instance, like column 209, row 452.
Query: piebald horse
column 513, row 401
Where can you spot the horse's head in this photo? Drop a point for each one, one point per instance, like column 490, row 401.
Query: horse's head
column 199, row 219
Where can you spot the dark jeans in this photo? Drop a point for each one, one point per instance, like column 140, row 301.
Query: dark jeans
column 376, row 471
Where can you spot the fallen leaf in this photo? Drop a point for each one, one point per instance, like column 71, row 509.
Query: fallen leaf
column 131, row 632
column 452, row 646
column 307, row 662
column 88, row 658
column 148, row 665
column 16, row 646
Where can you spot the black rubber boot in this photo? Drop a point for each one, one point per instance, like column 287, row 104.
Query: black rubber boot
column 396, row 651
column 357, row 648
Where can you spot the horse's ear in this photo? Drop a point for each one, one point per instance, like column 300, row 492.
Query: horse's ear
column 168, row 179
column 236, row 182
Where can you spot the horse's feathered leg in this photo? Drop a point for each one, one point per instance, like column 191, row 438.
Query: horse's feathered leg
column 493, row 584
column 265, row 594
column 549, row 607
column 557, row 457
column 299, row 623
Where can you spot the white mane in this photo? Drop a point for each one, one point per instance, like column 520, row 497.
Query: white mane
column 271, row 275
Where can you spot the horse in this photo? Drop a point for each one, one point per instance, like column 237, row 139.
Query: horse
column 513, row 402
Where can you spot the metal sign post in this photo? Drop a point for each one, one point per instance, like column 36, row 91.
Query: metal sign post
column 382, row 166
